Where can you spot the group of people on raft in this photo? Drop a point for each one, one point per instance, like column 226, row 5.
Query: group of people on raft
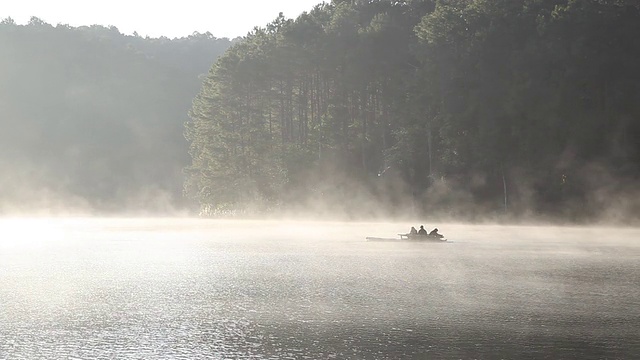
column 423, row 232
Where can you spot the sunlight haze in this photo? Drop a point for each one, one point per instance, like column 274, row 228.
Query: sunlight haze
column 155, row 19
column 211, row 179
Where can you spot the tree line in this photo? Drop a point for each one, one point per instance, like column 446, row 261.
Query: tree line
column 426, row 107
column 92, row 119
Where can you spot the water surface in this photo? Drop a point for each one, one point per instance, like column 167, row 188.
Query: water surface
column 198, row 289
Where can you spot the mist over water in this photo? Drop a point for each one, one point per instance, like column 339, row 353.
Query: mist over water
column 202, row 289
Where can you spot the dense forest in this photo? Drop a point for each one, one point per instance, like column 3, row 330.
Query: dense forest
column 461, row 108
column 92, row 119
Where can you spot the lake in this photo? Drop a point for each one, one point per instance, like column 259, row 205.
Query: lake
column 206, row 289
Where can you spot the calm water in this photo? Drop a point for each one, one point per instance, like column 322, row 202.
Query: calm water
column 193, row 289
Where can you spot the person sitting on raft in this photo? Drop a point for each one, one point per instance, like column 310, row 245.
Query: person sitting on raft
column 422, row 231
column 434, row 233
column 413, row 231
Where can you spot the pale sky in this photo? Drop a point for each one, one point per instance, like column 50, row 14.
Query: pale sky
column 171, row 18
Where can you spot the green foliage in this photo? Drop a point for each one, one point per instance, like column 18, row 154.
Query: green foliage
column 91, row 114
column 455, row 99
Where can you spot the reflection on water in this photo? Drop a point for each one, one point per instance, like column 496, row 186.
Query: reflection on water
column 194, row 289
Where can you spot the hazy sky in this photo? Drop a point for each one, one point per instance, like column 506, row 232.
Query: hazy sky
column 171, row 18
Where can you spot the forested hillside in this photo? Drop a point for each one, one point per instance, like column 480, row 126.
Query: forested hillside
column 425, row 107
column 92, row 119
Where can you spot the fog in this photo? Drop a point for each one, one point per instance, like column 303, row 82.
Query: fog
column 201, row 198
column 92, row 120
column 99, row 123
column 94, row 149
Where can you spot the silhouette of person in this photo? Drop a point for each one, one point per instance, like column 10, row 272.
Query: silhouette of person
column 413, row 231
column 422, row 231
column 434, row 232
